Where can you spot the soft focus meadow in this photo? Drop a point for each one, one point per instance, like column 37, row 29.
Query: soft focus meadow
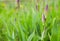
column 30, row 20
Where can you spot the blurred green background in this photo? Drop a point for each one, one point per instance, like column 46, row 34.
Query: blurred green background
column 34, row 20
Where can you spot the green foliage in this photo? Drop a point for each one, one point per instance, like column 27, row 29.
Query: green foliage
column 25, row 23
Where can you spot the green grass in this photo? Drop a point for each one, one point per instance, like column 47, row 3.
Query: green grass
column 25, row 23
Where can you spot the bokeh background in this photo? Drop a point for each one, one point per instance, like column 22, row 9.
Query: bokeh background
column 30, row 20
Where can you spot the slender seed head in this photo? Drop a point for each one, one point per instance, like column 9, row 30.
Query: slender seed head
column 46, row 8
column 43, row 18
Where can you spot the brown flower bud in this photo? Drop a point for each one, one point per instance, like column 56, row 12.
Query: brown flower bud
column 43, row 18
column 46, row 8
column 18, row 4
